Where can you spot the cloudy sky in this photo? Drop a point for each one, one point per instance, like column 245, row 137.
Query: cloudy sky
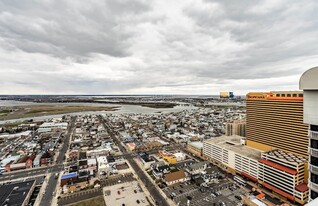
column 155, row 46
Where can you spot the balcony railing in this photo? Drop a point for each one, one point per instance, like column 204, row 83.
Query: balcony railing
column 313, row 186
column 313, row 152
column 314, row 169
column 313, row 134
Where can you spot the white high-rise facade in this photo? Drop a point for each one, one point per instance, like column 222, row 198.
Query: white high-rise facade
column 309, row 83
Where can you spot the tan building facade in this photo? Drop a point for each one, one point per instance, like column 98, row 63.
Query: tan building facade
column 237, row 127
column 275, row 121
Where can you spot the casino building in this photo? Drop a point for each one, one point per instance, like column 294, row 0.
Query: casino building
column 275, row 121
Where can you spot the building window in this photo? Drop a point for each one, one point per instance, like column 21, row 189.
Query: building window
column 314, row 194
column 313, row 160
column 314, row 128
column 294, row 95
column 314, row 178
column 301, row 95
column 277, row 95
column 283, row 95
column 288, row 95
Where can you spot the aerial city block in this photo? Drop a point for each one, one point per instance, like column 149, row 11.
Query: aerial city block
column 158, row 103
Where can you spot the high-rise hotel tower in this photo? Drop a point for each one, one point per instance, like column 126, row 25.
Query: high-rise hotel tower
column 275, row 121
column 309, row 83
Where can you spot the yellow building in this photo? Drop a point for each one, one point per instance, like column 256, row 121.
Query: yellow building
column 168, row 157
column 275, row 121
column 226, row 95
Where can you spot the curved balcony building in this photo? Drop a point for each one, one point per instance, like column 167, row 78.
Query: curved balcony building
column 308, row 82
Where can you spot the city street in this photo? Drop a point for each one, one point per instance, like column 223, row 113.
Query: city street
column 52, row 182
column 158, row 198
column 31, row 172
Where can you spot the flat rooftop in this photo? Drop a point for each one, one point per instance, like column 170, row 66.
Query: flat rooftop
column 286, row 156
column 233, row 143
column 197, row 144
column 15, row 193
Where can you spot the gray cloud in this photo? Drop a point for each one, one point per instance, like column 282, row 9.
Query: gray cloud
column 141, row 46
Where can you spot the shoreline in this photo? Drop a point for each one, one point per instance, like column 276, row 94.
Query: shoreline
column 156, row 105
column 32, row 111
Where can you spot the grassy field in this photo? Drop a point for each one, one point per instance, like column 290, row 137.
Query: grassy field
column 41, row 110
column 97, row 201
column 4, row 112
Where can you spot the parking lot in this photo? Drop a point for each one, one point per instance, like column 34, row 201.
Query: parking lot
column 216, row 193
column 128, row 193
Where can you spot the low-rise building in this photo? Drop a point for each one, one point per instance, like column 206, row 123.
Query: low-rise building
column 180, row 156
column 195, row 148
column 54, row 125
column 159, row 171
column 37, row 160
column 170, row 157
column 145, row 159
column 68, row 178
column 197, row 168
column 175, row 177
column 98, row 152
column 92, row 165
column 131, row 146
column 103, row 166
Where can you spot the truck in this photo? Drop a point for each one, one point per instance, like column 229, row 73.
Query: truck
column 56, row 176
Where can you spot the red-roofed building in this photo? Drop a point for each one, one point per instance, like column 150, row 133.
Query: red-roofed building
column 303, row 187
column 278, row 166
